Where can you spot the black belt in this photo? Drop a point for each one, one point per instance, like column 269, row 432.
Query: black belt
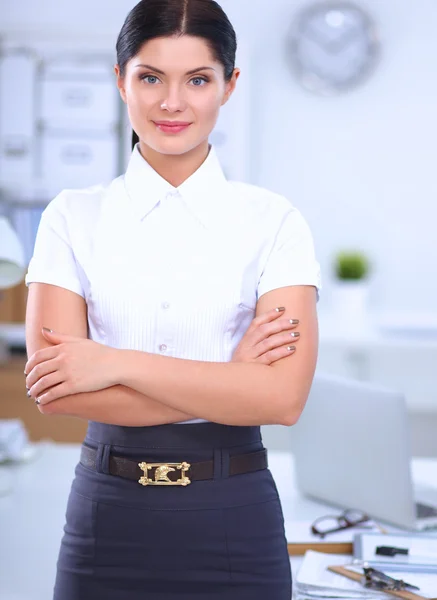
column 167, row 473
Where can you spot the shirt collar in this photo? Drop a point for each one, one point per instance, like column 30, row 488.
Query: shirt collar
column 205, row 192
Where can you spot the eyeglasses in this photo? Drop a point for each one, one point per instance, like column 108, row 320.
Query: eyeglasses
column 330, row 524
column 376, row 580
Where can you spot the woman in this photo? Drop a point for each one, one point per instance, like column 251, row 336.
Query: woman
column 161, row 309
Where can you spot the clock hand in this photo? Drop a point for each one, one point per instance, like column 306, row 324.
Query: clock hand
column 336, row 46
column 332, row 46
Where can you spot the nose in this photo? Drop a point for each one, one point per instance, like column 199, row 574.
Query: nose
column 174, row 100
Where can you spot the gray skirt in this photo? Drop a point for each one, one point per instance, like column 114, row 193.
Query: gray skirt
column 221, row 538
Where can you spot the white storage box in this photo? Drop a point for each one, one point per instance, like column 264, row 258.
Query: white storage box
column 70, row 161
column 17, row 117
column 79, row 104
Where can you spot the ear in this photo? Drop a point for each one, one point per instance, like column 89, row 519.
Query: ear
column 120, row 83
column 230, row 86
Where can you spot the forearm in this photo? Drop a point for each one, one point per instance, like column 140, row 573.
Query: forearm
column 117, row 405
column 230, row 393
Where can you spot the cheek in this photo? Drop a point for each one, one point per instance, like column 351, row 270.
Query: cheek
column 139, row 97
column 208, row 108
column 134, row 108
column 138, row 107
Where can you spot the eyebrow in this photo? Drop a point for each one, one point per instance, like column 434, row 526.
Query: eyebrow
column 162, row 72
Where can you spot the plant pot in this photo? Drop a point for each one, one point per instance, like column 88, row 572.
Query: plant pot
column 349, row 302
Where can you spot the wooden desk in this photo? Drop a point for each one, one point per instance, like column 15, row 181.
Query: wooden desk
column 13, row 304
column 14, row 404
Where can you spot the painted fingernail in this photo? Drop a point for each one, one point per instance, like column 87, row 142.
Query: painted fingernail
column 37, row 401
column 291, row 348
column 28, row 394
column 294, row 321
column 280, row 309
column 295, row 334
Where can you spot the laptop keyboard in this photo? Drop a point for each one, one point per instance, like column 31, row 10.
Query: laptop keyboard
column 424, row 510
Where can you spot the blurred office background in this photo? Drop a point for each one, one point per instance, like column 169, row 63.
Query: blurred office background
column 335, row 109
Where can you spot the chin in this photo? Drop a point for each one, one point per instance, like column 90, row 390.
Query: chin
column 172, row 145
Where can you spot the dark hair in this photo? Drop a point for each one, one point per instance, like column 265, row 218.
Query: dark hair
column 163, row 18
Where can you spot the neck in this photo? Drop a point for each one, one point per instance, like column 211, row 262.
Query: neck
column 175, row 168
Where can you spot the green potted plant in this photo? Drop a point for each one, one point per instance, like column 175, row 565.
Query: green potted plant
column 351, row 266
column 351, row 288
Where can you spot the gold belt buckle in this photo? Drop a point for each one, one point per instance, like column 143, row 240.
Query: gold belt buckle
column 161, row 473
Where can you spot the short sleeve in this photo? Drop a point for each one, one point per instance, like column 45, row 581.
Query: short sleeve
column 292, row 259
column 53, row 259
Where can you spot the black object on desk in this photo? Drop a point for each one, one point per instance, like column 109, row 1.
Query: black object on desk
column 377, row 580
column 390, row 550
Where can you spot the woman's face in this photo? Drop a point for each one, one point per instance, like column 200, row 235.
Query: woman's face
column 174, row 79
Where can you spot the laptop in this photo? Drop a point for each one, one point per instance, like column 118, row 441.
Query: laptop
column 352, row 449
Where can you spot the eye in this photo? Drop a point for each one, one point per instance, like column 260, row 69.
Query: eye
column 199, row 81
column 152, row 79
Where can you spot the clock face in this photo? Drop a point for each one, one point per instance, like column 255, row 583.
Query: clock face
column 333, row 47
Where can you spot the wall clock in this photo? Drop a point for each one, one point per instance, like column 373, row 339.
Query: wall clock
column 333, row 47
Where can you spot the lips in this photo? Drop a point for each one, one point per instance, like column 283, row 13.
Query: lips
column 172, row 123
column 172, row 126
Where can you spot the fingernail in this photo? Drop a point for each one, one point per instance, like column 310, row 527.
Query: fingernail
column 291, row 348
column 25, row 373
column 47, row 329
column 280, row 309
column 37, row 401
column 295, row 334
column 294, row 321
column 28, row 394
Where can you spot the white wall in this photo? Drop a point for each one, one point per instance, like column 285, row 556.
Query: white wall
column 360, row 167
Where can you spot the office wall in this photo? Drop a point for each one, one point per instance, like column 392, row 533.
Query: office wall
column 360, row 167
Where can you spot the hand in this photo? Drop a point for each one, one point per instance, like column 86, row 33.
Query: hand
column 267, row 339
column 73, row 365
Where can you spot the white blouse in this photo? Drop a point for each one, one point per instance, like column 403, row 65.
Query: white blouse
column 174, row 271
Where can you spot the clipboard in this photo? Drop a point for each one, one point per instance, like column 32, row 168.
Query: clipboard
column 357, row 577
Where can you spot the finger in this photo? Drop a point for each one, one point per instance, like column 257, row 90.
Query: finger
column 276, row 341
column 264, row 319
column 41, row 370
column 276, row 354
column 267, row 317
column 44, row 384
column 270, row 315
column 55, row 393
column 40, row 356
column 58, row 338
column 268, row 329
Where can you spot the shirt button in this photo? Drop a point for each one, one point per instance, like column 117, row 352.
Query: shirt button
column 163, row 347
column 165, row 305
